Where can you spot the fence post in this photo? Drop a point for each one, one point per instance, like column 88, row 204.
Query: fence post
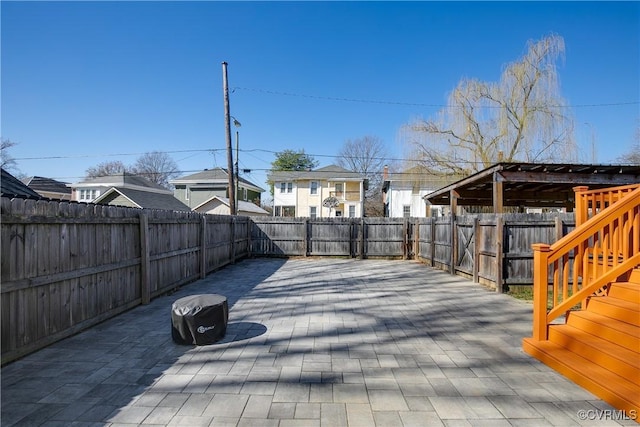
column 499, row 253
column 405, row 238
column 433, row 241
column 353, row 242
column 232, row 249
column 203, row 246
column 361, row 238
column 454, row 244
column 416, row 240
column 559, row 228
column 540, row 285
column 249, row 232
column 306, row 237
column 476, row 251
column 145, row 284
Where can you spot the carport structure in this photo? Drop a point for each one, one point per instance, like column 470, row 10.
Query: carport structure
column 542, row 185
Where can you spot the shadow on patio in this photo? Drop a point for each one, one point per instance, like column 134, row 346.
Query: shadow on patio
column 315, row 342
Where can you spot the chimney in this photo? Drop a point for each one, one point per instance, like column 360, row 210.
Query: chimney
column 385, row 173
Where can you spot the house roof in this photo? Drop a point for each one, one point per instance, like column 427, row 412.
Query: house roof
column 120, row 180
column 242, row 205
column 42, row 184
column 13, row 187
column 331, row 172
column 213, row 176
column 143, row 199
column 533, row 184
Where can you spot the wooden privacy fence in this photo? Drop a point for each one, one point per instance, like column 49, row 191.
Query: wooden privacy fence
column 350, row 237
column 493, row 249
column 68, row 266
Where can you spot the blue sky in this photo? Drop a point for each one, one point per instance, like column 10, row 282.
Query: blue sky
column 87, row 82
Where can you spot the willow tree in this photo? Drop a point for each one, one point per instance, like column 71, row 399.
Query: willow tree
column 632, row 157
column 521, row 118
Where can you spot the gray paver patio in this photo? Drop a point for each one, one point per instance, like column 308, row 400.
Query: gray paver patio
column 310, row 342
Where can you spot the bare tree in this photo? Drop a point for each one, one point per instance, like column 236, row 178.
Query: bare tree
column 8, row 162
column 367, row 156
column 106, row 168
column 632, row 157
column 520, row 118
column 157, row 167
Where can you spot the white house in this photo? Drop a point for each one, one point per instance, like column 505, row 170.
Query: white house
column 403, row 192
column 330, row 191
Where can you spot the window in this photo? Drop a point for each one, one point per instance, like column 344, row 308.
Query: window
column 284, row 211
column 406, row 211
column 186, row 193
column 313, row 212
column 338, row 213
column 352, row 211
column 283, row 187
column 289, row 187
column 313, row 185
column 339, row 190
column 88, row 195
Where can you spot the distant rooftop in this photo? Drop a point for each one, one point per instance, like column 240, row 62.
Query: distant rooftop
column 48, row 185
column 325, row 173
column 120, row 180
column 13, row 187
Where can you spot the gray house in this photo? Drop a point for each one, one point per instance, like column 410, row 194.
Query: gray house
column 92, row 188
column 195, row 189
column 141, row 199
column 125, row 189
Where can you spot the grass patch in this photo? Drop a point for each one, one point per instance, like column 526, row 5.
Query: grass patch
column 524, row 293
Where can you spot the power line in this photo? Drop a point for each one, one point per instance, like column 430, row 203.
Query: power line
column 416, row 104
column 213, row 151
column 84, row 156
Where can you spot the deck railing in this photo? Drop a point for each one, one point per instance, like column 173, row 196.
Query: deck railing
column 604, row 247
column 590, row 202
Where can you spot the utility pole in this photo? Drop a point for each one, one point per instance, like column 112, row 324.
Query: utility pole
column 237, row 171
column 227, row 124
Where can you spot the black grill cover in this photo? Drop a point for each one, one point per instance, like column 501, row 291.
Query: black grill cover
column 199, row 319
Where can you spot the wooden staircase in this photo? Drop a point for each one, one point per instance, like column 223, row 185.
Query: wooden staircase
column 599, row 347
column 591, row 279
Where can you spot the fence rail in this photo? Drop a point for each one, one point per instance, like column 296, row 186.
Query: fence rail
column 67, row 266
